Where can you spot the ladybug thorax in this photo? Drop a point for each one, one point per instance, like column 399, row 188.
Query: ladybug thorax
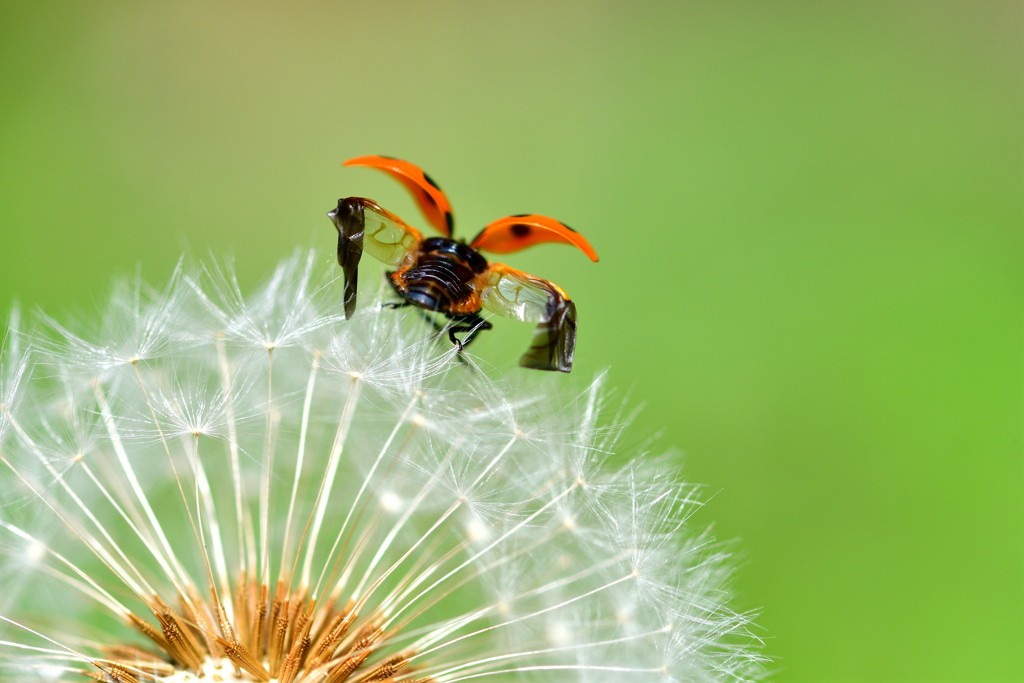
column 441, row 275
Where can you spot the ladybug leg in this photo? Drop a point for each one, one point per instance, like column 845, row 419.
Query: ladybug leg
column 392, row 305
column 472, row 325
column 429, row 317
column 452, row 329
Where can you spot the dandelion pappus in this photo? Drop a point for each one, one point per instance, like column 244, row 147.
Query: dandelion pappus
column 451, row 277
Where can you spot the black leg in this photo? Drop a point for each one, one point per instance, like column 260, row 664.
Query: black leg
column 430, row 318
column 392, row 305
column 472, row 325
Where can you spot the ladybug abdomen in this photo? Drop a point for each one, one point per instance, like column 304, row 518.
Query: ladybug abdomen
column 441, row 277
column 437, row 283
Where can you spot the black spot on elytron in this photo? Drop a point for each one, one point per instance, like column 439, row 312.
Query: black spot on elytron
column 427, row 200
column 566, row 226
column 519, row 215
column 520, row 230
column 431, row 181
column 450, row 220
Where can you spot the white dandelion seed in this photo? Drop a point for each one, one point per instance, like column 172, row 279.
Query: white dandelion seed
column 207, row 485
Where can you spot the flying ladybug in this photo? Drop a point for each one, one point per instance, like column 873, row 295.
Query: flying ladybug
column 448, row 276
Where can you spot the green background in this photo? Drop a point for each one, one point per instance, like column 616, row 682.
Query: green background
column 809, row 217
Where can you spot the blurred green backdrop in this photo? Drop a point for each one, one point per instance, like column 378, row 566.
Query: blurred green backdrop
column 809, row 217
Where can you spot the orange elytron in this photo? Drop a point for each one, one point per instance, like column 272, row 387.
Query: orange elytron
column 448, row 276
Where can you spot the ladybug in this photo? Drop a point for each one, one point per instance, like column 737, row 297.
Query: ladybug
column 448, row 276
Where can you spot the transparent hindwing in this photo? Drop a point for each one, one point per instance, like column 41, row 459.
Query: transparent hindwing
column 364, row 226
column 517, row 295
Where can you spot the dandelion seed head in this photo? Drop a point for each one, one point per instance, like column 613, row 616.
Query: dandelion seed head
column 203, row 484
